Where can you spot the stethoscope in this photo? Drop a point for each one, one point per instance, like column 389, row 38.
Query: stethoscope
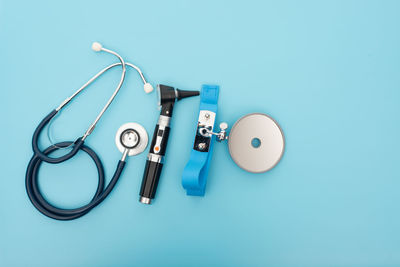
column 131, row 139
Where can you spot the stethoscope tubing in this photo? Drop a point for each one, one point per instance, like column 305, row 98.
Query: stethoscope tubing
column 37, row 199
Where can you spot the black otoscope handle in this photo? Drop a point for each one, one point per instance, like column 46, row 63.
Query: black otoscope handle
column 35, row 139
column 155, row 159
column 152, row 172
column 151, row 176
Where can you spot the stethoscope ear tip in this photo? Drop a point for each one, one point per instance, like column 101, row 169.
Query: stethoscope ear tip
column 148, row 88
column 97, row 46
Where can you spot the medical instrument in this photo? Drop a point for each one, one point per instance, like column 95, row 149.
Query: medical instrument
column 256, row 142
column 194, row 177
column 166, row 99
column 133, row 138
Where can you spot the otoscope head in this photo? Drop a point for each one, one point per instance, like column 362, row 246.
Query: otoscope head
column 184, row 93
column 168, row 94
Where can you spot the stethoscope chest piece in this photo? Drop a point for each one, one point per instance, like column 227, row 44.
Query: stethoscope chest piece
column 256, row 143
column 133, row 137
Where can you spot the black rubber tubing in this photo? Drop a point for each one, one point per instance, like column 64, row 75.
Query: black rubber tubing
column 37, row 199
column 42, row 155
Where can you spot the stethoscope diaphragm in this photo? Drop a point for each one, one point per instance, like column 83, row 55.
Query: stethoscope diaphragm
column 256, row 143
column 133, row 137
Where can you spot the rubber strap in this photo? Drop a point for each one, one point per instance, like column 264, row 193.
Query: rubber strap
column 194, row 177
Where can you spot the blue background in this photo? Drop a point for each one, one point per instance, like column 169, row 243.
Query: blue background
column 327, row 71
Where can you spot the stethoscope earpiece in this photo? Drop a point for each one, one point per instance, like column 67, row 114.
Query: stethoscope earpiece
column 148, row 88
column 97, row 46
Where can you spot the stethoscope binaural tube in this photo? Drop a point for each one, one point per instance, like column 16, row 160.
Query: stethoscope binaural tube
column 79, row 141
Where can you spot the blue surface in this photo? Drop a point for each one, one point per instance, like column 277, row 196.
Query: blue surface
column 327, row 71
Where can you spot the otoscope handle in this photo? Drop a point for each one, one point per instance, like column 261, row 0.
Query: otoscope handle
column 155, row 159
column 152, row 172
column 151, row 176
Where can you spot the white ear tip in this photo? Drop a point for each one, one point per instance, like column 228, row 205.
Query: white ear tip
column 97, row 46
column 223, row 126
column 148, row 88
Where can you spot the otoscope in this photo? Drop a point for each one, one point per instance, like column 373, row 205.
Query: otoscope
column 167, row 96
